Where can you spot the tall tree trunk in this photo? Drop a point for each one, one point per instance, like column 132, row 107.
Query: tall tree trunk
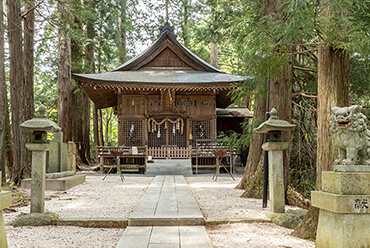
column 86, row 106
column 91, row 69
column 96, row 132
column 81, row 103
column 78, row 123
column 255, row 149
column 4, row 112
column 122, row 49
column 281, row 100
column 214, row 54
column 28, row 96
column 16, row 84
column 101, row 136
column 108, row 118
column 185, row 25
column 333, row 90
column 64, row 73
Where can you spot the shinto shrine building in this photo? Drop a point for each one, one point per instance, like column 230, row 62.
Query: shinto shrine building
column 165, row 98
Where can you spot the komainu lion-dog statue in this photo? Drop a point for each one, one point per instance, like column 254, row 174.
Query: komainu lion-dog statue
column 350, row 135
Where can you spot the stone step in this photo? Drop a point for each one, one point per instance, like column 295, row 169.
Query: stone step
column 169, row 167
column 167, row 201
column 165, row 236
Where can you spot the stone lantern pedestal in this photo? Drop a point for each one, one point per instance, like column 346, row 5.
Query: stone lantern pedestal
column 39, row 126
column 38, row 175
column 274, row 127
column 276, row 175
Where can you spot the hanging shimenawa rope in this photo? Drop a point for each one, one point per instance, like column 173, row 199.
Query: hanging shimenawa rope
column 176, row 122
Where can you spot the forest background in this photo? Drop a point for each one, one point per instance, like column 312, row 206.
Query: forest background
column 315, row 54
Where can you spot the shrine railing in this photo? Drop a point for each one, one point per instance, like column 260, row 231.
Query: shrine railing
column 169, row 152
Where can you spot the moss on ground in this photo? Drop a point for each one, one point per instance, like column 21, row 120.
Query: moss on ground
column 36, row 219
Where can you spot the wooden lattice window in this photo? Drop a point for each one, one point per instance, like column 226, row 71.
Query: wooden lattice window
column 133, row 133
column 167, row 136
column 201, row 130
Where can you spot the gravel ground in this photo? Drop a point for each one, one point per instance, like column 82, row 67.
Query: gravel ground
column 220, row 200
column 112, row 198
column 256, row 235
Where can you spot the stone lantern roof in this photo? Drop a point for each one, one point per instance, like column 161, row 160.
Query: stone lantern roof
column 274, row 124
column 40, row 123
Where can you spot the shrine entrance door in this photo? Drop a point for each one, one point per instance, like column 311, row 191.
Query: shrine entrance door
column 167, row 138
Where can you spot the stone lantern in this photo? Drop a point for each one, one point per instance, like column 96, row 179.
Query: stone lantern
column 274, row 127
column 39, row 126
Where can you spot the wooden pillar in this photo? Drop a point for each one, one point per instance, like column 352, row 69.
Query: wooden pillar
column 120, row 131
column 214, row 128
column 145, row 138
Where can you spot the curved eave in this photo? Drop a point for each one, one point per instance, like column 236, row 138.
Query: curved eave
column 137, row 59
column 161, row 78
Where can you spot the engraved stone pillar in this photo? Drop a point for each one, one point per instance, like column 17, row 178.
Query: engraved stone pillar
column 344, row 204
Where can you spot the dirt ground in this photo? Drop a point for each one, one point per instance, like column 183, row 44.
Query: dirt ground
column 112, row 198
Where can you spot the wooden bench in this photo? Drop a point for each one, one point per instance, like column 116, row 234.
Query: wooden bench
column 203, row 155
column 130, row 161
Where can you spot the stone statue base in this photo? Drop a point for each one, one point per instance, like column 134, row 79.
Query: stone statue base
column 351, row 168
column 344, row 204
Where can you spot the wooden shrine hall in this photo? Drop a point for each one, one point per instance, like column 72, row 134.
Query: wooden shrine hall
column 165, row 98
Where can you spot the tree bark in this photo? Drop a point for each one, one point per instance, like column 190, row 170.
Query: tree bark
column 122, row 49
column 86, row 106
column 107, row 121
column 101, row 136
column 64, row 73
column 333, row 90
column 91, row 69
column 78, row 124
column 28, row 96
column 185, row 26
column 4, row 112
column 16, row 84
column 255, row 149
column 96, row 132
column 214, row 54
column 281, row 100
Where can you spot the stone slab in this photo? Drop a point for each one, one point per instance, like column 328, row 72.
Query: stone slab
column 53, row 157
column 346, row 183
column 343, row 230
column 194, row 237
column 93, row 222
column 169, row 167
column 351, row 168
column 168, row 201
column 165, row 237
column 59, row 184
column 165, row 221
column 56, row 175
column 356, row 204
column 5, row 199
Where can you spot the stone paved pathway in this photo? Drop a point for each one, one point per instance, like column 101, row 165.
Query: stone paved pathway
column 166, row 216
